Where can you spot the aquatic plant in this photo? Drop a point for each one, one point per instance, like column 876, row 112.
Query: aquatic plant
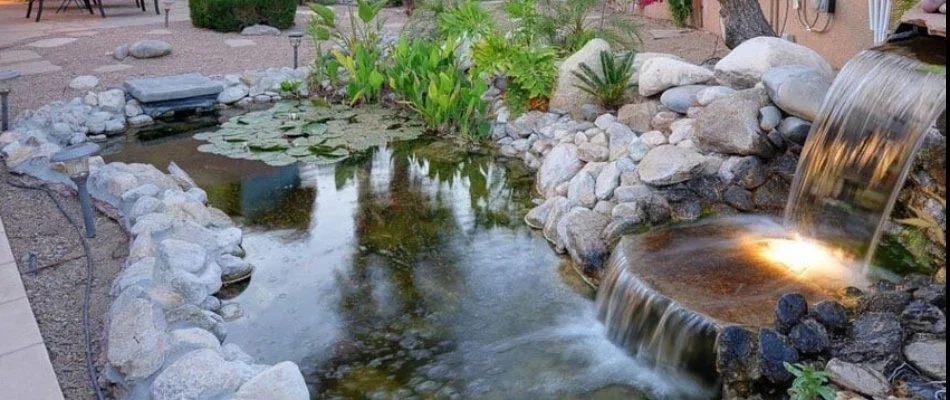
column 292, row 132
column 366, row 76
column 809, row 384
column 291, row 87
column 611, row 84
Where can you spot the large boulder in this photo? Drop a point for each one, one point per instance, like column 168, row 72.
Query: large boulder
column 659, row 74
column 797, row 89
column 745, row 65
column 581, row 230
column 201, row 374
column 282, row 381
column 137, row 339
column 560, row 165
column 567, row 96
column 730, row 125
column 667, row 165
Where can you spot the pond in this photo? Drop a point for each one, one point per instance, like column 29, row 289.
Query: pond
column 406, row 272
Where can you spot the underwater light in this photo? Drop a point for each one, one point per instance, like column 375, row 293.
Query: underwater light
column 799, row 255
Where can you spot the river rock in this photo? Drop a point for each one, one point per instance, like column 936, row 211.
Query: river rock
column 193, row 339
column 84, row 82
column 923, row 317
column 748, row 172
column 739, row 198
column 112, row 101
column 260, row 30
column 831, row 314
column 710, row 94
column 581, row 229
column 892, row 302
column 682, row 130
column 795, row 130
column 581, row 191
column 655, row 205
column 746, row 64
column 774, row 351
column 681, row 99
column 730, row 125
column 282, row 381
column 858, row 378
column 538, row 216
column 663, row 121
column 120, row 53
column 559, row 208
column 183, row 255
column 810, row 337
column 567, row 95
column 737, row 355
column 799, row 90
column 639, row 116
column 201, row 374
column 233, row 94
column 620, row 138
column 769, row 118
column 590, row 112
column 653, row 139
column 875, row 337
column 789, row 311
column 137, row 339
column 642, row 57
column 929, row 356
column 607, row 182
column 234, row 269
column 150, row 48
column 659, row 74
column 666, row 165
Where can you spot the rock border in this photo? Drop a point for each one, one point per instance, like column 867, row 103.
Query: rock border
column 163, row 325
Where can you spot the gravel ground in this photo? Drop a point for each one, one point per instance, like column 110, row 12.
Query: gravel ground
column 56, row 290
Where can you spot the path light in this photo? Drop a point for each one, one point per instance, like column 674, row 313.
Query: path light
column 295, row 38
column 168, row 9
column 76, row 160
column 6, row 82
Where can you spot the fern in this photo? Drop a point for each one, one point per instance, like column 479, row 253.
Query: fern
column 610, row 87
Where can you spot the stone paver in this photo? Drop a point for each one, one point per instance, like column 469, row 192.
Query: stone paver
column 112, row 68
column 25, row 368
column 33, row 67
column 16, row 56
column 51, row 42
column 234, row 43
column 159, row 32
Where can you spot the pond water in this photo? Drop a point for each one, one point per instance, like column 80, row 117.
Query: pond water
column 408, row 273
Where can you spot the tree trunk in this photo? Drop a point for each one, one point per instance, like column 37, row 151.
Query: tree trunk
column 743, row 20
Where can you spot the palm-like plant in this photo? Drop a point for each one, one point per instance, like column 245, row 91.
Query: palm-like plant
column 610, row 87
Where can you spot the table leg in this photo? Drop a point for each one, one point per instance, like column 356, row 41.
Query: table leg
column 101, row 10
column 29, row 9
column 39, row 11
column 89, row 7
column 157, row 11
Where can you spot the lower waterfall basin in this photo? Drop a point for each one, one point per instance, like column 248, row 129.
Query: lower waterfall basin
column 723, row 268
column 408, row 273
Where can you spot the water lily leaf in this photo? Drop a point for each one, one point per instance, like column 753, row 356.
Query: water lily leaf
column 315, row 128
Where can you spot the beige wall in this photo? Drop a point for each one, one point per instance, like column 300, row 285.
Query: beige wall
column 847, row 36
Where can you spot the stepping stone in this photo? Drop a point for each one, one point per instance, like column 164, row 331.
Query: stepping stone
column 159, row 32
column 235, row 43
column 112, row 68
column 84, row 82
column 174, row 87
column 52, row 42
column 667, row 33
column 15, row 56
column 79, row 34
column 34, row 67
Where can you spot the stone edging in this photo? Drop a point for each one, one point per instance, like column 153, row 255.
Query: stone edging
column 163, row 325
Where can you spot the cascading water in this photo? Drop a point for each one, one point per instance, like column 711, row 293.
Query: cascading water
column 666, row 293
column 861, row 149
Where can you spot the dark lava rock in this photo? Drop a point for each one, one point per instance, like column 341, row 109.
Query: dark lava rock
column 832, row 315
column 914, row 282
column 885, row 286
column 736, row 355
column 886, row 302
column 708, row 187
column 933, row 294
column 810, row 337
column 774, row 351
column 740, row 199
column 875, row 337
column 919, row 389
column 789, row 311
column 922, row 317
column 689, row 210
column 773, row 195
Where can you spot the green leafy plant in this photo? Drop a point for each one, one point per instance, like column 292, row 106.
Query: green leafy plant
column 291, row 87
column 681, row 10
column 809, row 384
column 611, row 83
column 928, row 223
column 467, row 19
column 366, row 78
column 427, row 80
column 570, row 24
column 364, row 24
column 530, row 70
column 232, row 15
column 524, row 18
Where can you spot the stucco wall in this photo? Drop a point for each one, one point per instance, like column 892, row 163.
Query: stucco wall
column 847, row 36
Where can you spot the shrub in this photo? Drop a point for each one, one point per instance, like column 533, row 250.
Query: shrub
column 610, row 88
column 810, row 384
column 466, row 19
column 232, row 15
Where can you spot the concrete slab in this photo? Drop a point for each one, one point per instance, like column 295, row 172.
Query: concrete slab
column 33, row 67
column 16, row 56
column 11, row 286
column 175, row 87
column 51, row 42
column 18, row 330
column 28, row 374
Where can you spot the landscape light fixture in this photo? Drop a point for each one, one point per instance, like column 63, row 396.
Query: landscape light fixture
column 6, row 82
column 76, row 160
column 296, row 38
column 168, row 9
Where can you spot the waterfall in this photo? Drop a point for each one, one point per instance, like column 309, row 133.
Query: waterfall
column 861, row 148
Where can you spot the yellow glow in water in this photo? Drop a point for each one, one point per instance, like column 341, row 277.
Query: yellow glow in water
column 800, row 255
